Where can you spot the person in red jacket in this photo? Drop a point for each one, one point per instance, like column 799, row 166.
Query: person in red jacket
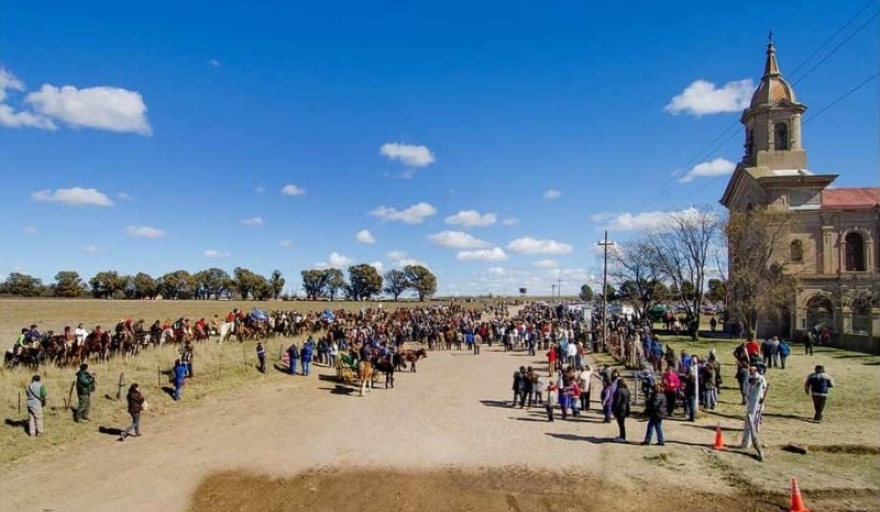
column 671, row 385
column 551, row 358
column 752, row 347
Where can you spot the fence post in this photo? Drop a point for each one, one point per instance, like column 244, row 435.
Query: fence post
column 120, row 385
column 158, row 377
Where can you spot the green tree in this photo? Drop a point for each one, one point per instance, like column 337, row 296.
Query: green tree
column 127, row 287
column 262, row 288
column 610, row 292
column 105, row 284
column 245, row 281
column 364, row 281
column 586, row 294
column 212, row 282
column 717, row 290
column 422, row 280
column 22, row 285
column 68, row 284
column 276, row 283
column 335, row 281
column 176, row 285
column 396, row 283
column 145, row 287
column 314, row 283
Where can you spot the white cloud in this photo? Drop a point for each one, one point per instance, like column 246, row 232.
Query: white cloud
column 144, row 232
column 498, row 271
column 717, row 167
column 335, row 260
column 30, row 230
column 415, row 214
column 103, row 108
column 124, row 197
column 655, row 222
column 471, row 219
column 702, row 97
column 286, row 243
column 91, row 249
column 365, row 237
column 510, row 221
column 457, row 240
column 259, row 189
column 378, row 265
column 528, row 245
column 552, row 194
column 215, row 254
column 292, row 190
column 413, row 156
column 546, row 264
column 253, row 221
column 8, row 116
column 494, row 254
column 75, row 196
column 400, row 259
column 213, row 63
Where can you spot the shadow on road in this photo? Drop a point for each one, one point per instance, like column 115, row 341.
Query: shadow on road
column 589, row 439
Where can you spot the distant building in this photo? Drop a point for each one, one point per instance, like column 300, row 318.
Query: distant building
column 836, row 236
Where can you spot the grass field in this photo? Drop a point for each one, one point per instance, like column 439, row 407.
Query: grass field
column 218, row 368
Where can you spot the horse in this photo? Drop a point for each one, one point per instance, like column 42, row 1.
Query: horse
column 365, row 374
column 411, row 356
column 387, row 365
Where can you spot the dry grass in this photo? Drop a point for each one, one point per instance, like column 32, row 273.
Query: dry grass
column 218, row 368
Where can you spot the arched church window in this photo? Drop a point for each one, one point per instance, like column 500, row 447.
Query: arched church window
column 861, row 316
column 855, row 252
column 820, row 313
column 797, row 251
column 781, row 137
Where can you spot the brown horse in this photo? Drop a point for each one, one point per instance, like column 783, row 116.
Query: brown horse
column 365, row 374
column 411, row 356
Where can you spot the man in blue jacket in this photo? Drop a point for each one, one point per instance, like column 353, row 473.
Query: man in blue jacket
column 306, row 354
column 180, row 373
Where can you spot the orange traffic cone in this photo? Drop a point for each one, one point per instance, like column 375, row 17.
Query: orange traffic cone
column 719, row 438
column 797, row 502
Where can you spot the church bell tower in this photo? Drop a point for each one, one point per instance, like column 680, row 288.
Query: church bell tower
column 773, row 122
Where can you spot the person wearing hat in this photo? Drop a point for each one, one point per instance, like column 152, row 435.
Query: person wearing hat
column 36, row 400
column 818, row 384
column 85, row 386
column 136, row 405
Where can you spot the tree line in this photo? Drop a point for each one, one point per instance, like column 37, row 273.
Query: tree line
column 364, row 282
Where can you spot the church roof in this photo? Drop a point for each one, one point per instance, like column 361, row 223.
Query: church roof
column 773, row 88
column 850, row 198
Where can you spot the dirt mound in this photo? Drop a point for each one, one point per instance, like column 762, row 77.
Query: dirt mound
column 491, row 490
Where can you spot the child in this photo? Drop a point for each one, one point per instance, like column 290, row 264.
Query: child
column 539, row 389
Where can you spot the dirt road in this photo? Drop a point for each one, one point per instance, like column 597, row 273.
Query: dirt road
column 452, row 413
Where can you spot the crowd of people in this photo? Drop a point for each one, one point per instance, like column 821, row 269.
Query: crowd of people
column 667, row 381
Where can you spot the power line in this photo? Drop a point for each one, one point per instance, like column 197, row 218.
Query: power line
column 840, row 98
column 824, row 44
column 834, row 50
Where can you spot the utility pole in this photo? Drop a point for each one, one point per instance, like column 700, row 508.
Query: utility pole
column 552, row 291
column 559, row 287
column 605, row 244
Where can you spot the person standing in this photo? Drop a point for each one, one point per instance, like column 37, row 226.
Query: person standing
column 85, row 386
column 655, row 410
column 306, row 356
column 518, row 385
column 333, row 353
column 180, row 372
column 585, row 381
column 756, row 391
column 671, row 385
column 808, row 343
column 551, row 358
column 136, row 405
column 36, row 400
column 186, row 357
column 621, row 409
column 261, row 357
column 292, row 357
column 818, row 384
column 784, row 351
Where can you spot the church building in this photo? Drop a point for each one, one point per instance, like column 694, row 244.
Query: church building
column 834, row 246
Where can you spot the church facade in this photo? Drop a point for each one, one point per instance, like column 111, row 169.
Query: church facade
column 833, row 248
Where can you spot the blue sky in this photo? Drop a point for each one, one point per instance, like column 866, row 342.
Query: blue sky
column 545, row 122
